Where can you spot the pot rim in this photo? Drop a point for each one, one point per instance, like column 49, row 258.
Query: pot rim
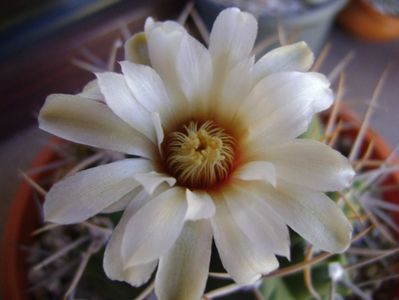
column 322, row 11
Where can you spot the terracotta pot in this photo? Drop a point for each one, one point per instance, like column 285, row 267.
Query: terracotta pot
column 23, row 219
column 24, row 215
column 364, row 21
column 381, row 151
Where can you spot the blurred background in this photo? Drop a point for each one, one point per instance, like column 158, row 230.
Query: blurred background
column 50, row 46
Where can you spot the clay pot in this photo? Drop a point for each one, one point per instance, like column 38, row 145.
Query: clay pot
column 23, row 219
column 381, row 150
column 363, row 20
column 24, row 215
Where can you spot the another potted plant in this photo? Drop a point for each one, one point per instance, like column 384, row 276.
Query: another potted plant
column 304, row 20
column 372, row 20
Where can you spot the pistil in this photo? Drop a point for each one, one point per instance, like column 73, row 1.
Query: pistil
column 199, row 155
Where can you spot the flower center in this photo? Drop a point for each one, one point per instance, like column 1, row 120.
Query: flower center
column 200, row 155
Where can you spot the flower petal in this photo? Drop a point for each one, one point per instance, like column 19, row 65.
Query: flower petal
column 295, row 57
column 81, row 196
column 232, row 37
column 311, row 164
column 236, row 86
column 147, row 87
column 136, row 49
column 164, row 39
column 154, row 228
column 156, row 121
column 194, row 68
column 239, row 81
column 281, row 106
column 200, row 205
column 122, row 203
column 151, row 180
column 113, row 263
column 257, row 170
column 244, row 261
column 91, row 123
column 258, row 220
column 183, row 270
column 312, row 214
column 92, row 91
column 124, row 104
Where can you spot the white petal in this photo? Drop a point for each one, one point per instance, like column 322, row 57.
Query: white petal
column 295, row 57
column 311, row 164
column 232, row 37
column 154, row 228
column 312, row 214
column 164, row 39
column 156, row 121
column 151, row 180
column 231, row 87
column 113, row 263
column 281, row 106
column 200, row 205
column 183, row 270
column 194, row 68
column 92, row 91
column 124, row 104
column 258, row 220
column 136, row 49
column 257, row 170
column 81, row 196
column 235, row 88
column 167, row 26
column 147, row 87
column 122, row 203
column 244, row 261
column 91, row 123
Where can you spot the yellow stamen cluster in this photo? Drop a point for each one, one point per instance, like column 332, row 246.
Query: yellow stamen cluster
column 200, row 155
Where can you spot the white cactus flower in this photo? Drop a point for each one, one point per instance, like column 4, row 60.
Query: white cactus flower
column 219, row 157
